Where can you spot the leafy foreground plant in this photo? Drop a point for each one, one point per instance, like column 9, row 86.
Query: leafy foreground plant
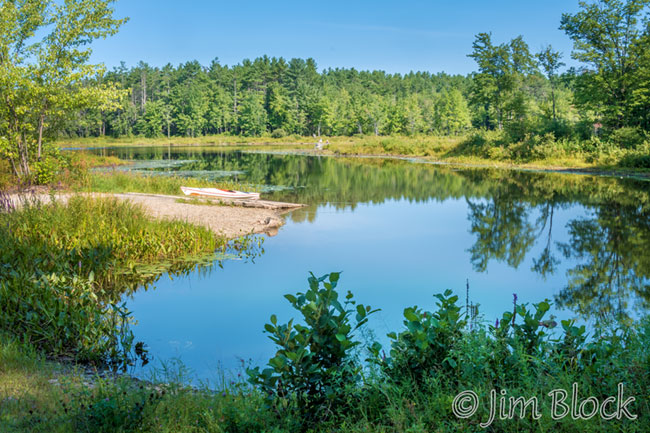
column 314, row 364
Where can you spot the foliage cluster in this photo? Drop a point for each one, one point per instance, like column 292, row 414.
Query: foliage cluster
column 313, row 367
column 443, row 352
column 45, row 75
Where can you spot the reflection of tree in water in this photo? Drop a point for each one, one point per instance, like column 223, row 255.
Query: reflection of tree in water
column 611, row 247
column 546, row 263
column 614, row 269
column 509, row 212
column 502, row 231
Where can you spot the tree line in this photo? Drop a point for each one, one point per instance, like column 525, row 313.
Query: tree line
column 277, row 96
column 513, row 89
column 49, row 90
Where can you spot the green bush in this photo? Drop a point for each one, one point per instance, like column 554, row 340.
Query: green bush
column 279, row 133
column 535, row 147
column 314, row 363
column 47, row 169
column 627, row 138
column 423, row 349
column 639, row 158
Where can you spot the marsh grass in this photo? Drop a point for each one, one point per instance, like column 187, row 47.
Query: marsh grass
column 66, row 266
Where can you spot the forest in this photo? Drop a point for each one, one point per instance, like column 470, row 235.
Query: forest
column 513, row 89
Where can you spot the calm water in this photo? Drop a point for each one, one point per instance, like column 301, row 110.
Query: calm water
column 400, row 231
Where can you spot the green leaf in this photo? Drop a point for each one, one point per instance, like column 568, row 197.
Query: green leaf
column 410, row 314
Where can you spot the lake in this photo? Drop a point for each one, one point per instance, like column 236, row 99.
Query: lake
column 400, row 231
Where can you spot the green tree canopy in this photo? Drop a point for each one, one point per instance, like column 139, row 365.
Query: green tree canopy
column 44, row 70
column 608, row 38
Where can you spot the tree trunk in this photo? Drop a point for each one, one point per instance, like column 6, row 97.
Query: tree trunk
column 553, row 97
column 40, row 135
column 13, row 167
column 24, row 159
column 143, row 83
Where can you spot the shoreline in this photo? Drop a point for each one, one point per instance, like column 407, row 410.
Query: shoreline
column 306, row 148
column 225, row 217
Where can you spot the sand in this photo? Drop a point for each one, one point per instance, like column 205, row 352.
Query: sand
column 229, row 218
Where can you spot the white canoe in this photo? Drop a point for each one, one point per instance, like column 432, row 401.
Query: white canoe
column 221, row 193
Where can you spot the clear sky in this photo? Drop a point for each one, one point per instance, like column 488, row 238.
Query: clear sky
column 394, row 36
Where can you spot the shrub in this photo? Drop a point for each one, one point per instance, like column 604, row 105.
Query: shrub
column 314, row 363
column 279, row 133
column 47, row 170
column 639, row 158
column 423, row 349
column 627, row 138
column 536, row 147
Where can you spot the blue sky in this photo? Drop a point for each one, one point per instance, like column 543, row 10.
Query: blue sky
column 394, row 36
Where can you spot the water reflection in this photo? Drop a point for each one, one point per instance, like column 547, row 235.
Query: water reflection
column 509, row 213
column 611, row 246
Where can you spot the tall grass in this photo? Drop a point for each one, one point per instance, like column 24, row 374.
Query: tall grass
column 64, row 267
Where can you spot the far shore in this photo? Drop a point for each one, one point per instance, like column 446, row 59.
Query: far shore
column 352, row 147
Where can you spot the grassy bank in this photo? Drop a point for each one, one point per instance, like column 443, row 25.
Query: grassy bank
column 121, row 182
column 315, row 382
column 65, row 267
column 74, row 171
column 206, row 140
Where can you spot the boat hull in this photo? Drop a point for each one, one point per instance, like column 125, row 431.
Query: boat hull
column 220, row 193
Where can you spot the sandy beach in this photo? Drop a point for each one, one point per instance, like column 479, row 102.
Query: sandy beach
column 229, row 218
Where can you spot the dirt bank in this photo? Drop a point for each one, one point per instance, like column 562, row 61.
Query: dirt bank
column 230, row 218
